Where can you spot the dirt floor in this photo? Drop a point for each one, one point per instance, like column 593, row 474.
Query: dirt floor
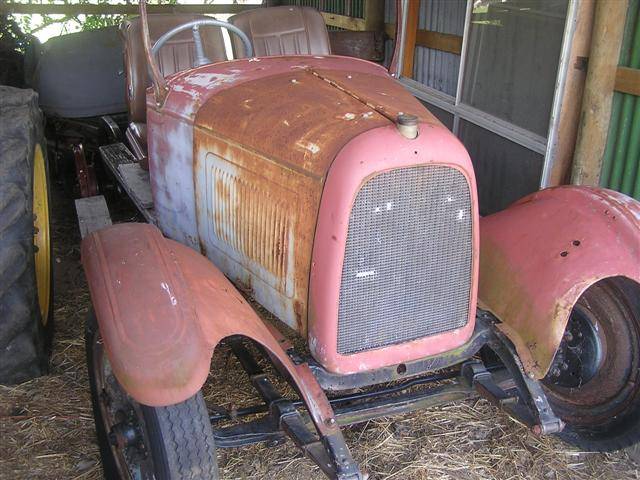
column 47, row 431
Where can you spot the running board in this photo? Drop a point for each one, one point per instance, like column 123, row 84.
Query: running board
column 134, row 180
column 93, row 214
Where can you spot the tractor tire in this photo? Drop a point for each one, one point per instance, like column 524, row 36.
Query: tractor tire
column 137, row 441
column 594, row 382
column 25, row 271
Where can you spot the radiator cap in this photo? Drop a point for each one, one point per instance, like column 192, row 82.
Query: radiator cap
column 407, row 125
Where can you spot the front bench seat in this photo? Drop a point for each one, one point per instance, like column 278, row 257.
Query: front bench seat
column 285, row 30
column 176, row 55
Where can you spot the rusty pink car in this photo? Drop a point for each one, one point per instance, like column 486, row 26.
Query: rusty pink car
column 321, row 189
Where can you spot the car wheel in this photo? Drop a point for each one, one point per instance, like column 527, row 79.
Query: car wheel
column 593, row 384
column 142, row 442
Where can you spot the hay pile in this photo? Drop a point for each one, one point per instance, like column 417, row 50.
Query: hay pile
column 47, row 432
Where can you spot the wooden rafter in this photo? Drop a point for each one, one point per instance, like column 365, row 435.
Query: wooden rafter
column 73, row 9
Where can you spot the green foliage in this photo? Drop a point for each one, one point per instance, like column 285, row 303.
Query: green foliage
column 91, row 22
column 12, row 37
column 68, row 23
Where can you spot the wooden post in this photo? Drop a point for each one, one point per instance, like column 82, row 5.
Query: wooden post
column 374, row 15
column 606, row 40
column 573, row 92
column 413, row 11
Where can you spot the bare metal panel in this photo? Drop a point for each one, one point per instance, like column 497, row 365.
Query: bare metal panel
column 408, row 259
column 251, row 224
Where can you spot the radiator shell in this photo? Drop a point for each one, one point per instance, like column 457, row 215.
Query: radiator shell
column 406, row 271
column 366, row 156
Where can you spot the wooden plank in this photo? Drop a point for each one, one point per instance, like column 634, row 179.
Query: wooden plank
column 410, row 39
column 627, row 80
column 115, row 156
column 342, row 21
column 116, row 9
column 373, row 15
column 436, row 40
column 439, row 41
column 569, row 120
column 138, row 182
column 93, row 214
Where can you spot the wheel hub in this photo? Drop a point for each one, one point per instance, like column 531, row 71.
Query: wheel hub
column 122, row 421
column 124, row 434
column 580, row 353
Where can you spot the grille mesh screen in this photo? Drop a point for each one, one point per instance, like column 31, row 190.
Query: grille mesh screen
column 407, row 264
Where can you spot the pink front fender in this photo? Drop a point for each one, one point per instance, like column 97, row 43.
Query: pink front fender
column 162, row 308
column 539, row 255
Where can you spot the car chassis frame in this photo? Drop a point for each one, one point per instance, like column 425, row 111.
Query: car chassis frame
column 504, row 384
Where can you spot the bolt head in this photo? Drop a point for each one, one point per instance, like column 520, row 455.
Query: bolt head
column 330, row 422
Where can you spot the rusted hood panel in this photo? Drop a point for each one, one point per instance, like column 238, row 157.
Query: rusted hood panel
column 302, row 118
column 263, row 146
column 539, row 255
column 190, row 89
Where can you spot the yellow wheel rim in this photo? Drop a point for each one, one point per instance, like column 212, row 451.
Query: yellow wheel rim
column 41, row 234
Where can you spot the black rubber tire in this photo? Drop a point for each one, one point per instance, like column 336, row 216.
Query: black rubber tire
column 24, row 341
column 603, row 414
column 179, row 436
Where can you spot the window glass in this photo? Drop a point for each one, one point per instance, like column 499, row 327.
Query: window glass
column 505, row 171
column 512, row 60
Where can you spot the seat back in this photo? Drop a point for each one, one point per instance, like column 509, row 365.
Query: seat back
column 176, row 55
column 285, row 30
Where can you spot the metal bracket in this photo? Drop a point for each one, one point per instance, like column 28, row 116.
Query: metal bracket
column 530, row 404
column 336, row 381
column 115, row 134
column 84, row 172
column 201, row 58
column 329, row 451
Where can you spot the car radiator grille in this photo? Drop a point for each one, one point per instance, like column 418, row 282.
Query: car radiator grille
column 408, row 260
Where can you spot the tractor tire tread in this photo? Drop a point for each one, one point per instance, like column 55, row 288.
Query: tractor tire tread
column 23, row 344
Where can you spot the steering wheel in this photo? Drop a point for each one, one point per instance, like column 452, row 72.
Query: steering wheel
column 194, row 25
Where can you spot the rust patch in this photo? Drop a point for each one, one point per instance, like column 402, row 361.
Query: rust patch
column 264, row 177
column 388, row 99
column 260, row 221
column 317, row 114
column 539, row 255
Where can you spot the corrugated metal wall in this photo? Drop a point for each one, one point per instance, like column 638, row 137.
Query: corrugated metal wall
column 621, row 161
column 434, row 68
column 389, row 17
